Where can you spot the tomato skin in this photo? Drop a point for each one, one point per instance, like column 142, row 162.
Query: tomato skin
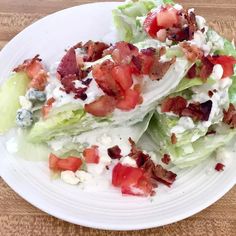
column 122, row 75
column 69, row 163
column 91, row 155
column 227, row 62
column 150, row 24
column 130, row 100
column 103, row 106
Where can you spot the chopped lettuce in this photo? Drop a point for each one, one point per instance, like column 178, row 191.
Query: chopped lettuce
column 229, row 49
column 10, row 91
column 126, row 19
column 192, row 145
column 186, row 83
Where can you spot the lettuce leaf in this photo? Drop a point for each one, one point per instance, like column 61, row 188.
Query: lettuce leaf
column 10, row 91
column 126, row 19
column 185, row 153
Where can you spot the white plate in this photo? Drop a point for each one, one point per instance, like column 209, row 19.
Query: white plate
column 194, row 190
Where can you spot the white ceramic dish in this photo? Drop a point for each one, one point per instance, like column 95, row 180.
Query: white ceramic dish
column 194, row 190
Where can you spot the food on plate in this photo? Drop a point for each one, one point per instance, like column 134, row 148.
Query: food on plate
column 168, row 76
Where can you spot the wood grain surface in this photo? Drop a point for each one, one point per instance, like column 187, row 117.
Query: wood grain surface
column 17, row 217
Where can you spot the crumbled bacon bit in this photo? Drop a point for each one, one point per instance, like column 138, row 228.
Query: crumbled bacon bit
column 27, row 63
column 192, row 52
column 166, row 159
column 39, row 81
column 47, row 107
column 219, row 167
column 68, row 83
column 155, row 172
column 93, row 50
column 210, row 93
column 198, row 111
column 114, row 152
column 174, row 104
column 192, row 23
column 173, row 138
column 206, row 68
column 68, row 64
column 192, row 73
column 230, row 116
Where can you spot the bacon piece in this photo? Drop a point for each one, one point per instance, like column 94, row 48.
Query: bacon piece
column 166, row 159
column 219, row 167
column 192, row 23
column 68, row 64
column 68, row 83
column 47, row 107
column 102, row 75
column 114, row 152
column 93, row 50
column 39, row 81
column 192, row 73
column 174, row 104
column 192, row 52
column 206, row 68
column 230, row 116
column 210, row 93
column 173, row 138
column 198, row 111
column 155, row 172
column 103, row 106
column 30, row 66
column 122, row 52
column 178, row 34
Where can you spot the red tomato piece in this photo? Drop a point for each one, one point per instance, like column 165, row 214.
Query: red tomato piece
column 103, row 106
column 122, row 75
column 130, row 100
column 147, row 62
column 132, row 181
column 69, row 163
column 150, row 24
column 167, row 17
column 227, row 62
column 91, row 155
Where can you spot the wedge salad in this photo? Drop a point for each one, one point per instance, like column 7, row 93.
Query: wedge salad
column 168, row 76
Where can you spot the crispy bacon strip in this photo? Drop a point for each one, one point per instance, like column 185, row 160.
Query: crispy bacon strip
column 192, row 52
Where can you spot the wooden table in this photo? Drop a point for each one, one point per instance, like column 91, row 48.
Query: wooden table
column 17, row 217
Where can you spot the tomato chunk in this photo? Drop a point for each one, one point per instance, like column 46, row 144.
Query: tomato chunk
column 91, row 155
column 130, row 100
column 122, row 75
column 131, row 180
column 150, row 24
column 70, row 163
column 103, row 106
column 227, row 62
column 167, row 17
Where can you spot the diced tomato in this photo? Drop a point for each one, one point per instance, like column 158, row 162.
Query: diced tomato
column 122, row 75
column 69, row 163
column 47, row 107
column 102, row 75
column 150, row 24
column 161, row 35
column 103, row 106
column 130, row 100
column 227, row 62
column 131, row 180
column 167, row 17
column 91, row 155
